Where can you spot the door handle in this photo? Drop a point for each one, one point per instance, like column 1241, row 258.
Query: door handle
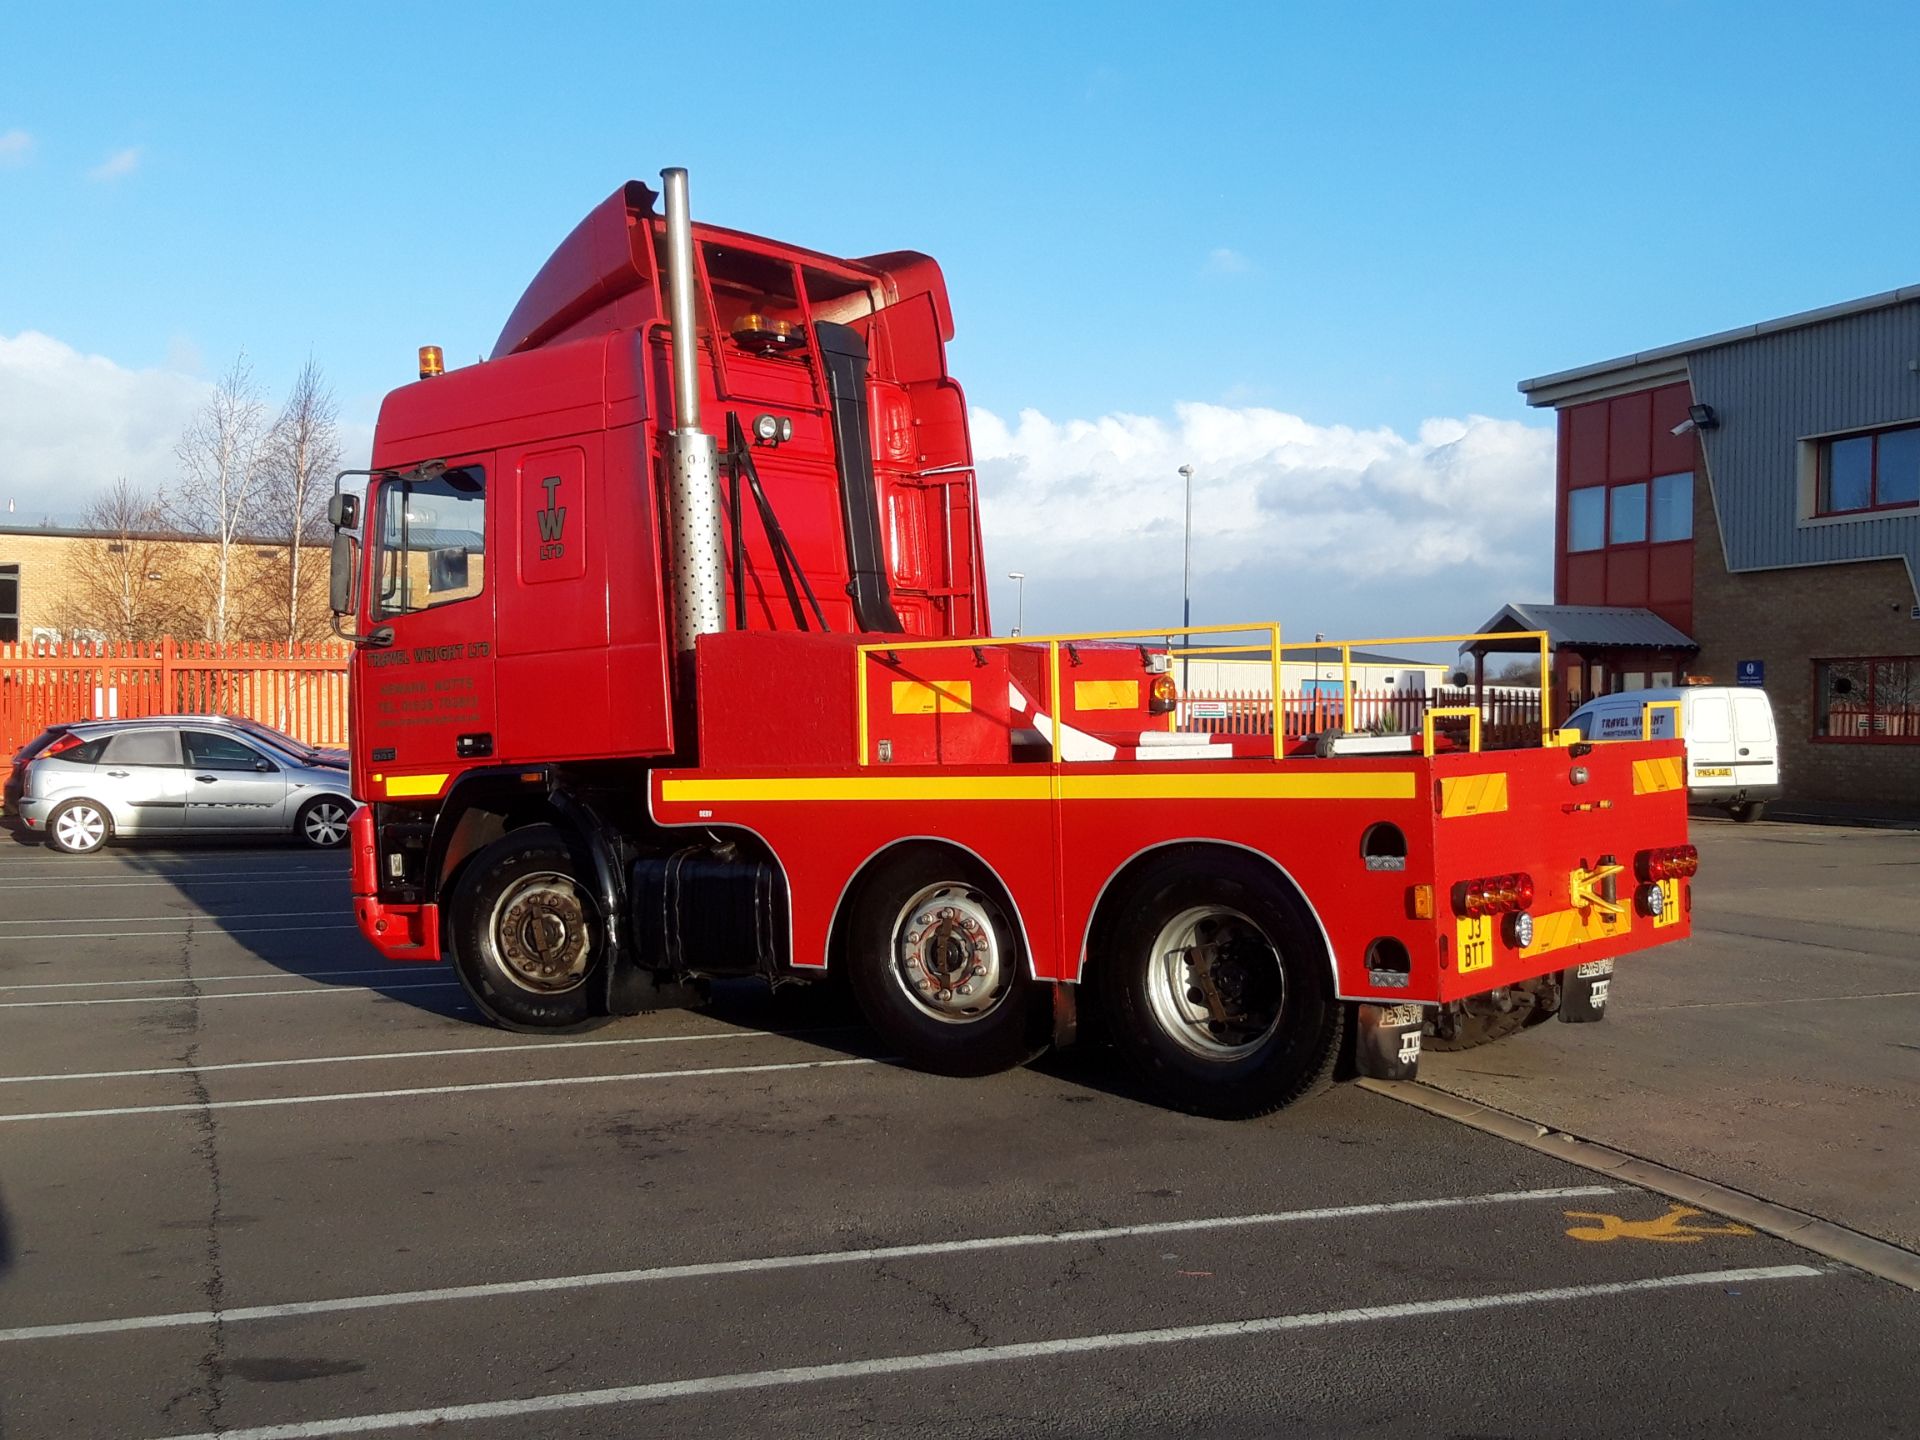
column 116, row 774
column 207, row 779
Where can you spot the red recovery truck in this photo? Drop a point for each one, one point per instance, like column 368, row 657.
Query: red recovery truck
column 673, row 662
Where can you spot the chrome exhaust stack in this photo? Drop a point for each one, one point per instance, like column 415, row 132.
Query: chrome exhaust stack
column 699, row 582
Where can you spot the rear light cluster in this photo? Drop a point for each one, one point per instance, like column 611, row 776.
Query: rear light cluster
column 66, row 742
column 1676, row 862
column 1494, row 895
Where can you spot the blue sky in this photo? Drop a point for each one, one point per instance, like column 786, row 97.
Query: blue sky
column 1363, row 217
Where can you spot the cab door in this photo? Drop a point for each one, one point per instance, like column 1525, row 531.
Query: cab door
column 427, row 695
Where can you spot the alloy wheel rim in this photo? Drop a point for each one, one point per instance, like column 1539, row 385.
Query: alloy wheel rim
column 326, row 825
column 81, row 828
column 1215, row 983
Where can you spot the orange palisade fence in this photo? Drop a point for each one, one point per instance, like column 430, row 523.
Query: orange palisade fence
column 1509, row 717
column 301, row 689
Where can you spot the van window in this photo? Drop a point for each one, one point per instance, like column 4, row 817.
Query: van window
column 1710, row 720
column 1753, row 719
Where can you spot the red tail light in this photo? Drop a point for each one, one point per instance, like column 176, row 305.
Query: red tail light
column 66, row 742
column 1676, row 862
column 1494, row 895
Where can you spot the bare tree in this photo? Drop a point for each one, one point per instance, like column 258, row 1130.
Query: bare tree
column 133, row 582
column 302, row 454
column 221, row 457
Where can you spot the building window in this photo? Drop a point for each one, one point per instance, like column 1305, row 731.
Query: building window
column 1870, row 699
column 1672, row 517
column 9, row 603
column 1869, row 472
column 1627, row 520
column 1587, row 518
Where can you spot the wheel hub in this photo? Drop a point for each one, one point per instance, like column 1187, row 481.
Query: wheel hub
column 947, row 954
column 1216, row 984
column 542, row 933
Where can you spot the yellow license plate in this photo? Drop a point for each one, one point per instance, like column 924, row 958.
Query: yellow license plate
column 1475, row 938
column 1713, row 772
column 1669, row 905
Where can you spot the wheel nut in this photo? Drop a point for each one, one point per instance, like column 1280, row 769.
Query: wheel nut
column 945, row 995
column 979, row 969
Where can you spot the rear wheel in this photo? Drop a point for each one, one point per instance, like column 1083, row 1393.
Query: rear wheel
column 1747, row 811
column 79, row 827
column 935, row 961
column 323, row 822
column 527, row 934
column 1218, row 987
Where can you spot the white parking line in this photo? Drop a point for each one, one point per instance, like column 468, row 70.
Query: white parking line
column 232, row 995
column 176, row 915
column 522, row 1048
column 992, row 1354
column 429, row 1090
column 211, row 979
column 204, row 932
column 218, row 879
column 707, row 1270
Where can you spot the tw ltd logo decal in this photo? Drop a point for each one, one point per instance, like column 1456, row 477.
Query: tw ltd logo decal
column 553, row 521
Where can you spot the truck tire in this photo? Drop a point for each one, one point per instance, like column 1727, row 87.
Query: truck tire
column 526, row 935
column 936, row 964
column 1218, row 987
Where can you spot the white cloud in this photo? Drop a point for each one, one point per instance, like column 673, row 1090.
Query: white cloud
column 1224, row 260
column 15, row 147
column 1323, row 527
column 118, row 165
column 72, row 423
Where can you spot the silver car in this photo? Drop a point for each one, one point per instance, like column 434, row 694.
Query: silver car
column 181, row 775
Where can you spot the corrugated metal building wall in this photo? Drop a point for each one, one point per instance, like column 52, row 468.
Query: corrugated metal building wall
column 1772, row 392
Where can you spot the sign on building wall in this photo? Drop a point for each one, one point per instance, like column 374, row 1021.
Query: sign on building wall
column 1751, row 672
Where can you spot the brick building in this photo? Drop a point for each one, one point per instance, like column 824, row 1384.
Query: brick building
column 1759, row 492
column 63, row 583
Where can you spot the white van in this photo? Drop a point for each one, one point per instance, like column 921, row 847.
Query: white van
column 1733, row 754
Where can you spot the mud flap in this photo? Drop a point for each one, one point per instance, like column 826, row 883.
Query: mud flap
column 1583, row 992
column 1386, row 1041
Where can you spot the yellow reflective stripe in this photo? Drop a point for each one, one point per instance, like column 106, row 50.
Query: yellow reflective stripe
column 1379, row 785
column 920, row 697
column 1650, row 777
column 1563, row 929
column 414, row 786
column 1472, row 795
column 1106, row 694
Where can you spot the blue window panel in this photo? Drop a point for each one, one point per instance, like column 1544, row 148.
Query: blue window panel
column 1673, row 506
column 1628, row 525
column 1897, row 468
column 1587, row 518
column 1847, row 476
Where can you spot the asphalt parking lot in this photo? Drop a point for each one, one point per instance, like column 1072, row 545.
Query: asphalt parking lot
column 253, row 1182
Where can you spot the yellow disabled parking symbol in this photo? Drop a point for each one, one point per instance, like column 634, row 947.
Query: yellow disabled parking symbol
column 1677, row 1227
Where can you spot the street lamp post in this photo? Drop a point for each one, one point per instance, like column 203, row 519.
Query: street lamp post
column 1186, row 572
column 1019, row 578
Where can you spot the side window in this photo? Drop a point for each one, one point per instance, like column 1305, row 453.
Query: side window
column 222, row 752
column 433, row 541
column 142, row 747
column 9, row 603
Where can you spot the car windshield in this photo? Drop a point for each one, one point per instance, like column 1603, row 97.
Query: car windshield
column 277, row 738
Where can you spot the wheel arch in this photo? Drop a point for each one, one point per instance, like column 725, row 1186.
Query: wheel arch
column 837, row 925
column 1114, row 889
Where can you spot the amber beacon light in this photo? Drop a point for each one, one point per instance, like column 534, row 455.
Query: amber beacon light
column 431, row 362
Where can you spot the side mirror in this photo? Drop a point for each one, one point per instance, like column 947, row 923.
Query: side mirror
column 345, row 574
column 343, row 511
column 265, row 767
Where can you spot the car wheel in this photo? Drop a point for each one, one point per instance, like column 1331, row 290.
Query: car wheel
column 935, row 961
column 1748, row 811
column 1218, row 987
column 323, row 822
column 79, row 827
column 527, row 938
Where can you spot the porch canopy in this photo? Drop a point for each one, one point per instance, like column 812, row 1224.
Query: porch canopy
column 1615, row 637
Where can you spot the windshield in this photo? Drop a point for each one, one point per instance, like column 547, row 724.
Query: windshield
column 432, row 538
column 279, row 739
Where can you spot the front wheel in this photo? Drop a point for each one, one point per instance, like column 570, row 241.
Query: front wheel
column 936, row 965
column 323, row 822
column 527, row 936
column 1219, row 989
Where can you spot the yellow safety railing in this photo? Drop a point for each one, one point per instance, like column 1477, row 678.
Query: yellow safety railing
column 1471, row 713
column 1646, row 717
column 1347, row 647
column 1269, row 630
